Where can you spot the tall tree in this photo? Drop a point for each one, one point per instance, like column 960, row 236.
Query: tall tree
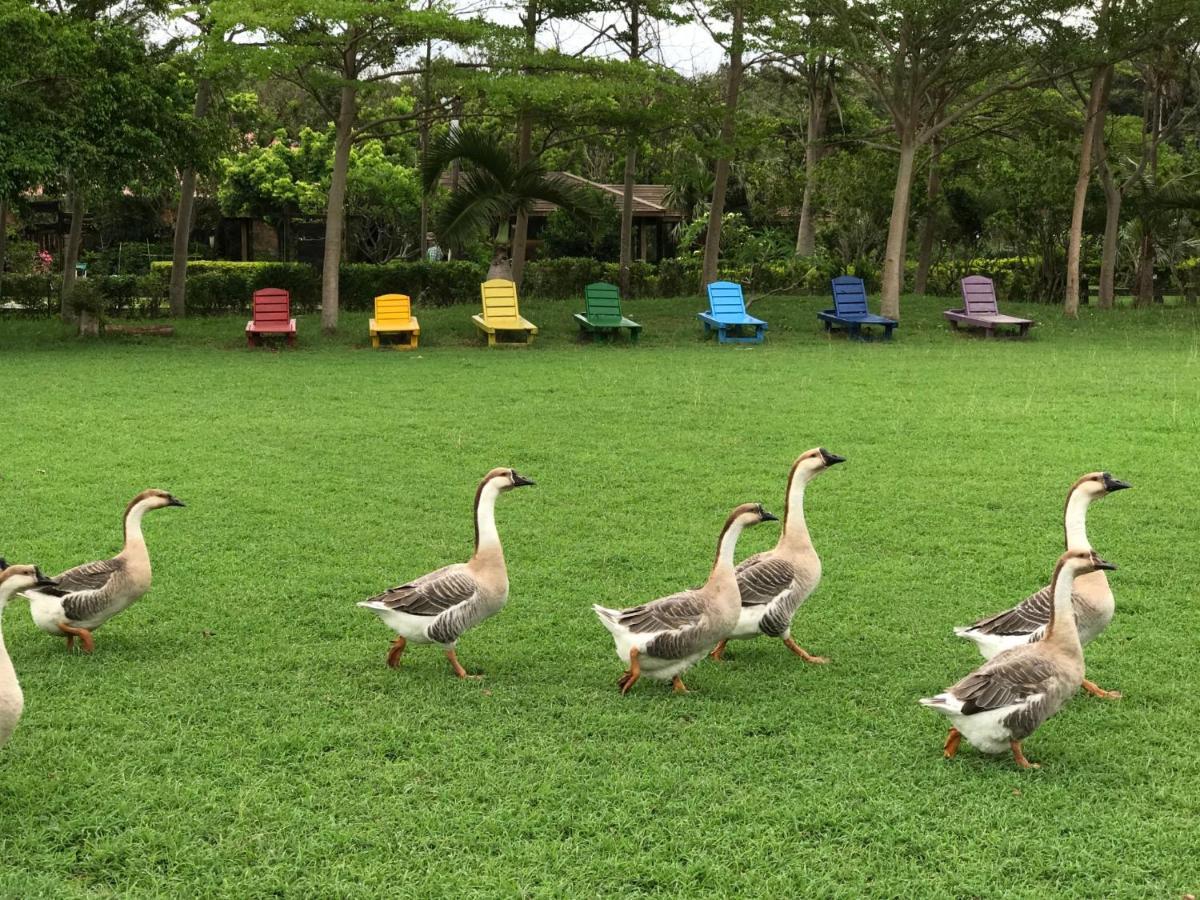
column 932, row 63
column 343, row 53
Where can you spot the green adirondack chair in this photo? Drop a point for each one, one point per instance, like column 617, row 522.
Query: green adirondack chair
column 602, row 312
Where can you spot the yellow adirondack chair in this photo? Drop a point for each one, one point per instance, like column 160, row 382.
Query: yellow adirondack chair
column 393, row 316
column 501, row 314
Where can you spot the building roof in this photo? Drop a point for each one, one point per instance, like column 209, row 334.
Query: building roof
column 649, row 200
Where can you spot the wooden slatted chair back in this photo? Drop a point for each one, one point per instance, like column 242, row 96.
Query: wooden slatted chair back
column 500, row 302
column 979, row 296
column 849, row 296
column 271, row 306
column 725, row 299
column 603, row 303
column 393, row 309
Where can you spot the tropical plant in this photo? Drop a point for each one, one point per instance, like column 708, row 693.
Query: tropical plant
column 493, row 189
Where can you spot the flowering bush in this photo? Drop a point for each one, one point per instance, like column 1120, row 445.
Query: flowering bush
column 42, row 262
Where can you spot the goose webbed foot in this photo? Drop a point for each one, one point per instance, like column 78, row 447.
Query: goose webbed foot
column 804, row 654
column 458, row 669
column 1096, row 691
column 1019, row 756
column 718, row 654
column 71, row 632
column 397, row 650
column 626, row 681
column 950, row 748
column 678, row 687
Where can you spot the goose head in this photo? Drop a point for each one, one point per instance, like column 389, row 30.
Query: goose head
column 1095, row 485
column 507, row 479
column 153, row 499
column 750, row 514
column 1080, row 562
column 14, row 579
column 813, row 462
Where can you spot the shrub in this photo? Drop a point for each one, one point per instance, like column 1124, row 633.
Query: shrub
column 428, row 283
column 35, row 292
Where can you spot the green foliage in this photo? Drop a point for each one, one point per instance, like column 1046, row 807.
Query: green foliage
column 568, row 235
column 283, row 178
column 383, row 199
column 86, row 296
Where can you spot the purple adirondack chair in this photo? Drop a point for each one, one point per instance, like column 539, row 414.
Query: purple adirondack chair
column 979, row 308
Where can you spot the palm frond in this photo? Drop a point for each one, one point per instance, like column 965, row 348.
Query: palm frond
column 471, row 148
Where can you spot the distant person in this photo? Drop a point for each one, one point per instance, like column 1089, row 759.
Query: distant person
column 434, row 253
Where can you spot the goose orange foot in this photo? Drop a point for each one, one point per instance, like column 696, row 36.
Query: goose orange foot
column 1096, row 691
column 804, row 654
column 457, row 667
column 678, row 686
column 950, row 748
column 629, row 679
column 393, row 657
column 718, row 655
column 71, row 632
column 1019, row 756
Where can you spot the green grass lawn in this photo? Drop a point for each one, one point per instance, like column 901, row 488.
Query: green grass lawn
column 237, row 733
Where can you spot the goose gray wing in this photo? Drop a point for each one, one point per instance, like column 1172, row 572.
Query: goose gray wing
column 1005, row 681
column 763, row 577
column 432, row 594
column 84, row 588
column 682, row 610
column 1025, row 618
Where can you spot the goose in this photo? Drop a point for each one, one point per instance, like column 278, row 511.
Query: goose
column 775, row 584
column 87, row 596
column 13, row 580
column 440, row 607
column 1004, row 701
column 1092, row 597
column 666, row 637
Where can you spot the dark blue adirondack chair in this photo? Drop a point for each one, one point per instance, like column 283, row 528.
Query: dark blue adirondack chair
column 850, row 309
column 727, row 315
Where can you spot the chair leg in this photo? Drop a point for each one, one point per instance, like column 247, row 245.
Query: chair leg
column 375, row 341
column 491, row 339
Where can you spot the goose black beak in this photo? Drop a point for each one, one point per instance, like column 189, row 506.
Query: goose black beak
column 1112, row 484
column 175, row 501
column 769, row 517
column 521, row 481
column 43, row 580
column 831, row 459
column 3, row 564
column 1105, row 564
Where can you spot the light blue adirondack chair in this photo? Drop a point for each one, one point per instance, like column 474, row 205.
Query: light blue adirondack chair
column 727, row 315
column 850, row 309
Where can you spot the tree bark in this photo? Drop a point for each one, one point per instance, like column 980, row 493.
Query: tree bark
column 520, row 240
column 1112, row 231
column 814, row 150
column 177, row 292
column 335, row 215
column 933, row 189
column 3, row 240
column 1093, row 123
column 716, row 212
column 627, row 219
column 897, row 242
column 71, row 251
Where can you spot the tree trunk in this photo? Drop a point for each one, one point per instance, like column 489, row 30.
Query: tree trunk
column 627, row 219
column 520, row 240
column 1112, row 231
column 3, row 240
column 893, row 260
column 1093, row 123
column 933, row 189
column 814, row 150
column 1144, row 295
column 184, row 214
column 71, row 251
column 336, row 213
column 712, row 240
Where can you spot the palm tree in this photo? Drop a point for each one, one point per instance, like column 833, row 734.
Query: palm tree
column 492, row 190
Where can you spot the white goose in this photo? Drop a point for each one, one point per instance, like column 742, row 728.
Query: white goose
column 13, row 580
column 664, row 638
column 439, row 607
column 1004, row 701
column 1092, row 598
column 87, row 596
column 775, row 584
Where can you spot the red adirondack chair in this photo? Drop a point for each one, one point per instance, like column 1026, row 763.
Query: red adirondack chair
column 272, row 315
column 979, row 308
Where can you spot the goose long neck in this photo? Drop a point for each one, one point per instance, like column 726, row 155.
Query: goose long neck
column 1062, row 627
column 1075, row 521
column 487, row 539
column 726, row 545
column 7, row 674
column 133, row 524
column 795, row 528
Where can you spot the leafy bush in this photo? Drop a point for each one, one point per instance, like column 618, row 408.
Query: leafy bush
column 565, row 235
column 86, row 295
column 22, row 257
column 34, row 292
column 428, row 283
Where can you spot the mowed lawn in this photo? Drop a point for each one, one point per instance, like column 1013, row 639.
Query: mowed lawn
column 237, row 733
